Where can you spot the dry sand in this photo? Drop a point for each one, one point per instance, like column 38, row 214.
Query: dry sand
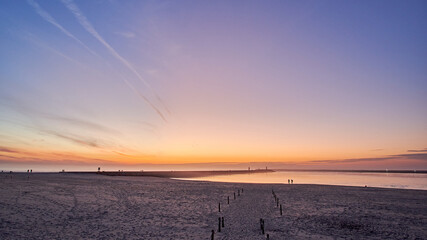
column 85, row 206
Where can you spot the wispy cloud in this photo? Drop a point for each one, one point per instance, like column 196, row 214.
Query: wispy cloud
column 418, row 156
column 122, row 154
column 353, row 160
column 56, row 159
column 84, row 141
column 25, row 108
column 418, row 150
column 89, row 28
column 414, row 156
column 6, row 156
column 47, row 17
column 126, row 34
column 83, row 124
column 8, row 150
column 91, row 142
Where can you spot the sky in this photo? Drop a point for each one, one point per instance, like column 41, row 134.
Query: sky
column 213, row 84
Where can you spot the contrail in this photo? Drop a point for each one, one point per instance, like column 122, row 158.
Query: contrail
column 47, row 17
column 33, row 39
column 88, row 26
column 145, row 99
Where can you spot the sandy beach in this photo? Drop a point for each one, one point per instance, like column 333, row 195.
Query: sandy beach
column 90, row 206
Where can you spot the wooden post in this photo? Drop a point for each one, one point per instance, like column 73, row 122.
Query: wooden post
column 260, row 223
column 219, row 207
column 263, row 227
column 219, row 224
column 280, row 209
column 222, row 221
column 212, row 235
column 277, row 202
column 242, row 190
column 234, row 195
column 268, row 236
column 228, row 199
column 238, row 192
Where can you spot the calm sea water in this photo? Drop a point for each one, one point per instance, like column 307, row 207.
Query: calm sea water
column 385, row 180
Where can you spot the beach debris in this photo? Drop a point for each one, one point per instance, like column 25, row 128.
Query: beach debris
column 219, row 224
column 212, row 235
column 222, row 221
column 228, row 199
column 281, row 210
column 219, row 207
column 268, row 236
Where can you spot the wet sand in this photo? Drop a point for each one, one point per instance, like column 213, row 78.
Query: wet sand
column 91, row 206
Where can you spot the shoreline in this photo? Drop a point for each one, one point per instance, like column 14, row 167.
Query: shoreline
column 160, row 174
column 180, row 174
column 240, row 171
column 233, row 176
column 355, row 171
column 299, row 184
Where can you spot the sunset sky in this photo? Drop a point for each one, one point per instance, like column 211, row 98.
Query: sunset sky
column 218, row 84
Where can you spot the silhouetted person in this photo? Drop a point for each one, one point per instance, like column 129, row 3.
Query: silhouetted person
column 292, row 181
column 289, row 181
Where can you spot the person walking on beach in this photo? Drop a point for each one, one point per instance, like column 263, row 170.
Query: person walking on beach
column 289, row 181
column 292, row 181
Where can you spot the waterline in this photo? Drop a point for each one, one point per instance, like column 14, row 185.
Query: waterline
column 360, row 179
